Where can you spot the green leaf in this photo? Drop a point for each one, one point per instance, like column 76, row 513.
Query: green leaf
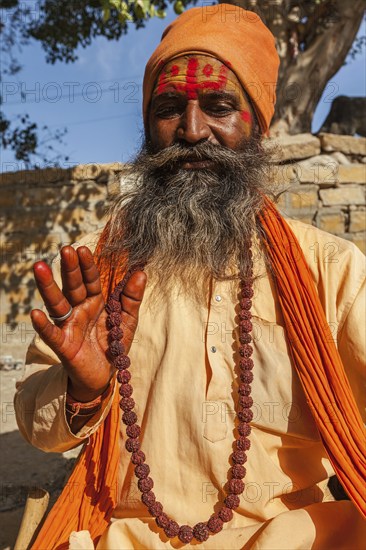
column 106, row 14
column 123, row 17
column 139, row 12
column 146, row 4
column 115, row 4
column 179, row 7
column 161, row 13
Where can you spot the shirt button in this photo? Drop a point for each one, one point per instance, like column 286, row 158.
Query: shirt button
column 218, row 298
column 213, row 349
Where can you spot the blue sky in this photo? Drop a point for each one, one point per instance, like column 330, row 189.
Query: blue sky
column 98, row 98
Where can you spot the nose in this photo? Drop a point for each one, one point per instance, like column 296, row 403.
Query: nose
column 193, row 126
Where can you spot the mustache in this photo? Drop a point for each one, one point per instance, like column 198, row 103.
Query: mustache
column 189, row 225
column 221, row 156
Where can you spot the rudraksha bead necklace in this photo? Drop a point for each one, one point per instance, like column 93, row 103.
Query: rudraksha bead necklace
column 201, row 531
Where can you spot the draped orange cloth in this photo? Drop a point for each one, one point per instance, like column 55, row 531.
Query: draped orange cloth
column 93, row 481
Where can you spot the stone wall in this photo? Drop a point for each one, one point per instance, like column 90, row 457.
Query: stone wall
column 325, row 178
column 44, row 209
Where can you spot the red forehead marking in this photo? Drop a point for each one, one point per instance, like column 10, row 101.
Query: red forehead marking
column 161, row 84
column 246, row 116
column 223, row 76
column 191, row 78
column 207, row 70
column 191, row 86
column 174, row 71
column 219, row 83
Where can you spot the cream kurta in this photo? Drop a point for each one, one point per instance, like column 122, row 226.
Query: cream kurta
column 184, row 376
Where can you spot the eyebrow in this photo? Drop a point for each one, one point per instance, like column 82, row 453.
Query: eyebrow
column 212, row 94
column 221, row 94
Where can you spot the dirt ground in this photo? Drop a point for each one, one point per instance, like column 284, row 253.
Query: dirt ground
column 22, row 467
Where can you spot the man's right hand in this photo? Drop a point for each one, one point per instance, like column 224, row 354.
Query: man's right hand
column 80, row 342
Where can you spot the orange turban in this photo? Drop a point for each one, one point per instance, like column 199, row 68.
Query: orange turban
column 231, row 34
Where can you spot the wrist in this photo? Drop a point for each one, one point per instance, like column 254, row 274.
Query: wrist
column 86, row 395
column 81, row 408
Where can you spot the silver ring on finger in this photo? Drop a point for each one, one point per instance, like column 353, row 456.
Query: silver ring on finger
column 63, row 317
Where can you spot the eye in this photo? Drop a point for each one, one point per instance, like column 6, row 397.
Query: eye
column 220, row 109
column 168, row 110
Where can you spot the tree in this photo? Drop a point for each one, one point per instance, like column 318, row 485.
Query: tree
column 20, row 134
column 313, row 38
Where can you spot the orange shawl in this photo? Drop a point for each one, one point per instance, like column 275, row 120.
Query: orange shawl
column 94, row 479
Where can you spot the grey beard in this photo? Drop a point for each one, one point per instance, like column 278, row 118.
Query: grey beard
column 190, row 225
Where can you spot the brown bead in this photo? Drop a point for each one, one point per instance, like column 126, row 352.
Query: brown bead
column 245, row 401
column 145, row 485
column 246, row 350
column 129, row 417
column 238, row 471
column 215, row 524
column 142, row 471
column 148, row 498
column 243, row 444
column 156, row 509
column 246, row 376
column 114, row 320
column 185, row 534
column 236, row 486
column 239, row 457
column 232, row 501
column 125, row 390
column 246, row 364
column 113, row 306
column 132, row 445
column 246, row 415
column 245, row 303
column 246, row 326
column 171, row 529
column 245, row 315
column 133, row 431
column 244, row 389
column 247, row 291
column 244, row 429
column 138, row 457
column 162, row 520
column 116, row 348
column 123, row 376
column 226, row 514
column 245, row 338
column 115, row 333
column 127, row 403
column 201, row 532
column 121, row 362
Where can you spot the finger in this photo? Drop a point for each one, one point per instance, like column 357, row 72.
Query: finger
column 89, row 271
column 72, row 280
column 56, row 303
column 50, row 333
column 132, row 295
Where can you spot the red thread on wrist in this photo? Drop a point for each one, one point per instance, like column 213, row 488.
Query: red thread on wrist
column 78, row 408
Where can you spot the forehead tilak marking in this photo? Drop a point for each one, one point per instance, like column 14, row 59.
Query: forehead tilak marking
column 191, row 86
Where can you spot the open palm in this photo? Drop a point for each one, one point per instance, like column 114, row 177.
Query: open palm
column 81, row 341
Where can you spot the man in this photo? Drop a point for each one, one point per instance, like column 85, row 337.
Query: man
column 224, row 304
